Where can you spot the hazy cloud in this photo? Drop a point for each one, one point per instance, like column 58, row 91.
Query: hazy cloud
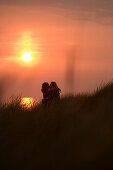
column 27, row 2
column 74, row 4
column 98, row 10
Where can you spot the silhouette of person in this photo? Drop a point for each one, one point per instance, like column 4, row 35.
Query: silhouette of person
column 54, row 91
column 46, row 92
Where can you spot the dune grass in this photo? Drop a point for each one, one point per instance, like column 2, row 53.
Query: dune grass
column 76, row 132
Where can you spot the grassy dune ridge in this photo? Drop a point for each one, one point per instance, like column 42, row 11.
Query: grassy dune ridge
column 76, row 132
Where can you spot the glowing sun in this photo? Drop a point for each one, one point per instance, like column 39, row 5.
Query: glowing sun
column 27, row 56
column 27, row 102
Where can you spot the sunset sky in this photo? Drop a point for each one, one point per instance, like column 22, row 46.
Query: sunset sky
column 49, row 30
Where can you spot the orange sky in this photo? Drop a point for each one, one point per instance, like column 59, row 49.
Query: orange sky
column 50, row 32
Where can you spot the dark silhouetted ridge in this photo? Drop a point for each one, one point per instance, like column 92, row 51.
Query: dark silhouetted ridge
column 76, row 132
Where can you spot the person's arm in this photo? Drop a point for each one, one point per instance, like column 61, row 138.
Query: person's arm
column 59, row 90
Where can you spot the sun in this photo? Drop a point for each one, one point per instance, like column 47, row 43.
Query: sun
column 27, row 102
column 27, row 57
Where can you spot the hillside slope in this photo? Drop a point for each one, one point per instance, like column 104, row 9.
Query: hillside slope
column 77, row 132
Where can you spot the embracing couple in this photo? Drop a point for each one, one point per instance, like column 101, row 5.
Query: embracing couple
column 50, row 92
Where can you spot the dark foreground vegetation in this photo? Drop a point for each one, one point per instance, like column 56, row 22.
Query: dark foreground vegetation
column 76, row 132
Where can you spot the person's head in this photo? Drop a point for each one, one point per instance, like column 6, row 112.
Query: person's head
column 53, row 84
column 45, row 85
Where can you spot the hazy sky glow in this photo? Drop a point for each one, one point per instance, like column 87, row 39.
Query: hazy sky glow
column 48, row 29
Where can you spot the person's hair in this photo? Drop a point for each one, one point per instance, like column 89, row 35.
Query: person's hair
column 45, row 85
column 53, row 84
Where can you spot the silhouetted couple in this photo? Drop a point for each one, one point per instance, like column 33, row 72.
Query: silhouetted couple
column 50, row 92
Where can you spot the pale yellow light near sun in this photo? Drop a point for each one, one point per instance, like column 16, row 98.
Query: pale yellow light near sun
column 27, row 102
column 27, row 57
